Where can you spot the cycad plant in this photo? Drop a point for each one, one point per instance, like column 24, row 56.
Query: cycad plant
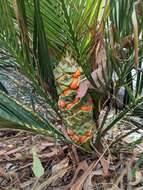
column 70, row 52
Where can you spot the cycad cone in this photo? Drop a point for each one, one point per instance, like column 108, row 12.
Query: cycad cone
column 77, row 113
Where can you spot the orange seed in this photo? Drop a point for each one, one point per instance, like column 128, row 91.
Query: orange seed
column 86, row 108
column 75, row 138
column 65, row 92
column 74, row 84
column 76, row 74
column 88, row 134
column 70, row 132
column 68, row 106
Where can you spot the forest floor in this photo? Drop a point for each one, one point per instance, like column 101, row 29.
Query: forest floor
column 66, row 168
column 119, row 167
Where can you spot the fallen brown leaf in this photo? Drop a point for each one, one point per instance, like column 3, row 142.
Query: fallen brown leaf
column 82, row 166
column 78, row 185
column 105, row 165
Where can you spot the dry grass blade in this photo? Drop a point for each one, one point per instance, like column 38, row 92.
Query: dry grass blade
column 135, row 28
column 52, row 179
column 82, row 166
column 123, row 173
column 131, row 184
column 60, row 166
column 105, row 164
column 88, row 184
column 21, row 23
column 139, row 188
column 78, row 185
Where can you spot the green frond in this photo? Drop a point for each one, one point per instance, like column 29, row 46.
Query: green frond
column 14, row 115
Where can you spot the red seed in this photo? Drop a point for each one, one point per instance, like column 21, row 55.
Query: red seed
column 61, row 104
column 82, row 139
